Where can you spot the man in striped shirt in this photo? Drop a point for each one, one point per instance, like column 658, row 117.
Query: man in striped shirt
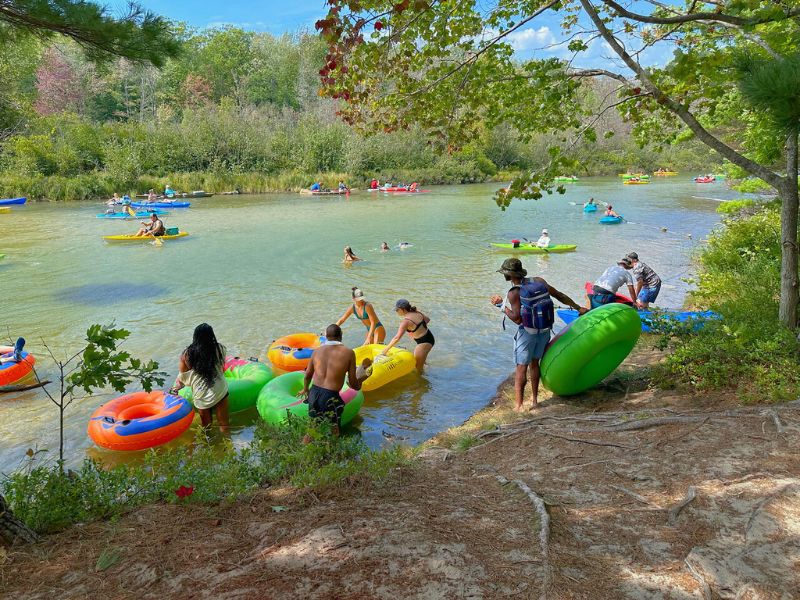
column 648, row 283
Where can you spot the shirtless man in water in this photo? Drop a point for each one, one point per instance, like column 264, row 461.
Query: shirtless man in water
column 329, row 365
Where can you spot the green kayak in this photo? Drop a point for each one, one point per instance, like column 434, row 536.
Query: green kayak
column 536, row 250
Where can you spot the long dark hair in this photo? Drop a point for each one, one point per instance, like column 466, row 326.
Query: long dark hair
column 204, row 354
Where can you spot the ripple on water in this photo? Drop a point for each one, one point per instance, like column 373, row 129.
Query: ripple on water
column 105, row 294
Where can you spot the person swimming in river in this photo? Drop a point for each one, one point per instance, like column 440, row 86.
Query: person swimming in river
column 384, row 247
column 349, row 255
column 365, row 312
column 404, row 245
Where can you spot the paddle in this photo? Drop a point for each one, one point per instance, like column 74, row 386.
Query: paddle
column 157, row 240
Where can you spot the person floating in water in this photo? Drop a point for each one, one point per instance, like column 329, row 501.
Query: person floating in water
column 325, row 377
column 349, row 255
column 415, row 324
column 605, row 288
column 529, row 305
column 365, row 312
column 16, row 354
column 544, row 240
column 384, row 247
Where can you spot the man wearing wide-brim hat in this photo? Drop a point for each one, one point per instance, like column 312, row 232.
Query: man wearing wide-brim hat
column 535, row 320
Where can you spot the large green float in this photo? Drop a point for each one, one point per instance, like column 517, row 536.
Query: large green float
column 279, row 399
column 590, row 349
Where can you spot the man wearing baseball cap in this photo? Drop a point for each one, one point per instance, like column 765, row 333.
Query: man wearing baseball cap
column 604, row 290
column 529, row 305
column 648, row 283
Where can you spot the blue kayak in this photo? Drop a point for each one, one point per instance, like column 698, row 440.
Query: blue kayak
column 610, row 220
column 9, row 201
column 142, row 214
column 590, row 208
column 161, row 204
column 568, row 315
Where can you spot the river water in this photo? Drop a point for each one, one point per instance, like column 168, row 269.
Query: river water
column 257, row 267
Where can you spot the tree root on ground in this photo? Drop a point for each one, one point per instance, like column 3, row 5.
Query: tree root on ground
column 691, row 494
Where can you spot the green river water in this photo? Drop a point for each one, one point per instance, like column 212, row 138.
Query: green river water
column 257, row 267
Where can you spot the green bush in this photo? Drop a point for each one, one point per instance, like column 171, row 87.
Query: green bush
column 748, row 350
column 47, row 499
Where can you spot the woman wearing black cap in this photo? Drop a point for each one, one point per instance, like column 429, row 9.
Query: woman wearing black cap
column 415, row 324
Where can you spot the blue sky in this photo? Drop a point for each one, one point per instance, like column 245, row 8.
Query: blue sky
column 266, row 15
column 541, row 38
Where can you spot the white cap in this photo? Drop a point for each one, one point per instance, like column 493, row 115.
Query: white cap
column 544, row 232
column 358, row 294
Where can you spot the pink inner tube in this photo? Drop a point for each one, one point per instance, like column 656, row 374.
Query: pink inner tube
column 233, row 361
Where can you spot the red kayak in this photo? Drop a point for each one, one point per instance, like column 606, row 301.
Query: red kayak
column 704, row 179
column 398, row 190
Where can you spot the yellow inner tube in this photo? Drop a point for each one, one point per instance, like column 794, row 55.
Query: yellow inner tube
column 396, row 364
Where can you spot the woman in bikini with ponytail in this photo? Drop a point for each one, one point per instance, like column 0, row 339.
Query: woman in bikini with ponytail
column 415, row 324
column 365, row 312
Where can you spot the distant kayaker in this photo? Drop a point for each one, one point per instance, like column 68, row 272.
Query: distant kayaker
column 201, row 368
column 151, row 195
column 415, row 324
column 316, row 187
column 648, row 283
column 610, row 212
column 384, row 247
column 544, row 240
column 349, row 255
column 605, row 288
column 115, row 199
column 155, row 227
column 528, row 304
column 325, row 376
column 591, row 202
column 343, row 187
column 374, row 184
column 413, row 187
column 365, row 312
column 168, row 191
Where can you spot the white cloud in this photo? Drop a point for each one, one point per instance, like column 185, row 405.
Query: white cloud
column 531, row 39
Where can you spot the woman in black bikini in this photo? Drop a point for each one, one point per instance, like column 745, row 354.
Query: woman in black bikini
column 365, row 313
column 415, row 324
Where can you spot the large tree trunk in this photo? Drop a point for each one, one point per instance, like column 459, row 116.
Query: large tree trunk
column 787, row 311
column 12, row 530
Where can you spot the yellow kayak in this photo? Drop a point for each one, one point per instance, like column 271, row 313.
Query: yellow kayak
column 396, row 364
column 142, row 238
column 631, row 182
column 664, row 173
column 4, row 209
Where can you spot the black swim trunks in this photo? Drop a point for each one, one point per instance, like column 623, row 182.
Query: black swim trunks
column 324, row 404
column 426, row 339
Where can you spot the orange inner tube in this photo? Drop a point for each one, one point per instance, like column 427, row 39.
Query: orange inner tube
column 12, row 373
column 293, row 352
column 140, row 420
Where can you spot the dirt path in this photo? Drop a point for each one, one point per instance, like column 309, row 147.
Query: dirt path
column 613, row 467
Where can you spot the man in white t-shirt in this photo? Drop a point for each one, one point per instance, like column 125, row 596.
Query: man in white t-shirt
column 605, row 288
column 544, row 240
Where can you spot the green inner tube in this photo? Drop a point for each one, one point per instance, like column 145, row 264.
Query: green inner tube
column 590, row 349
column 279, row 398
column 244, row 384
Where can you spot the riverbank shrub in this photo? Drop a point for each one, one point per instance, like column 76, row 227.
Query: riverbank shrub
column 48, row 499
column 748, row 350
